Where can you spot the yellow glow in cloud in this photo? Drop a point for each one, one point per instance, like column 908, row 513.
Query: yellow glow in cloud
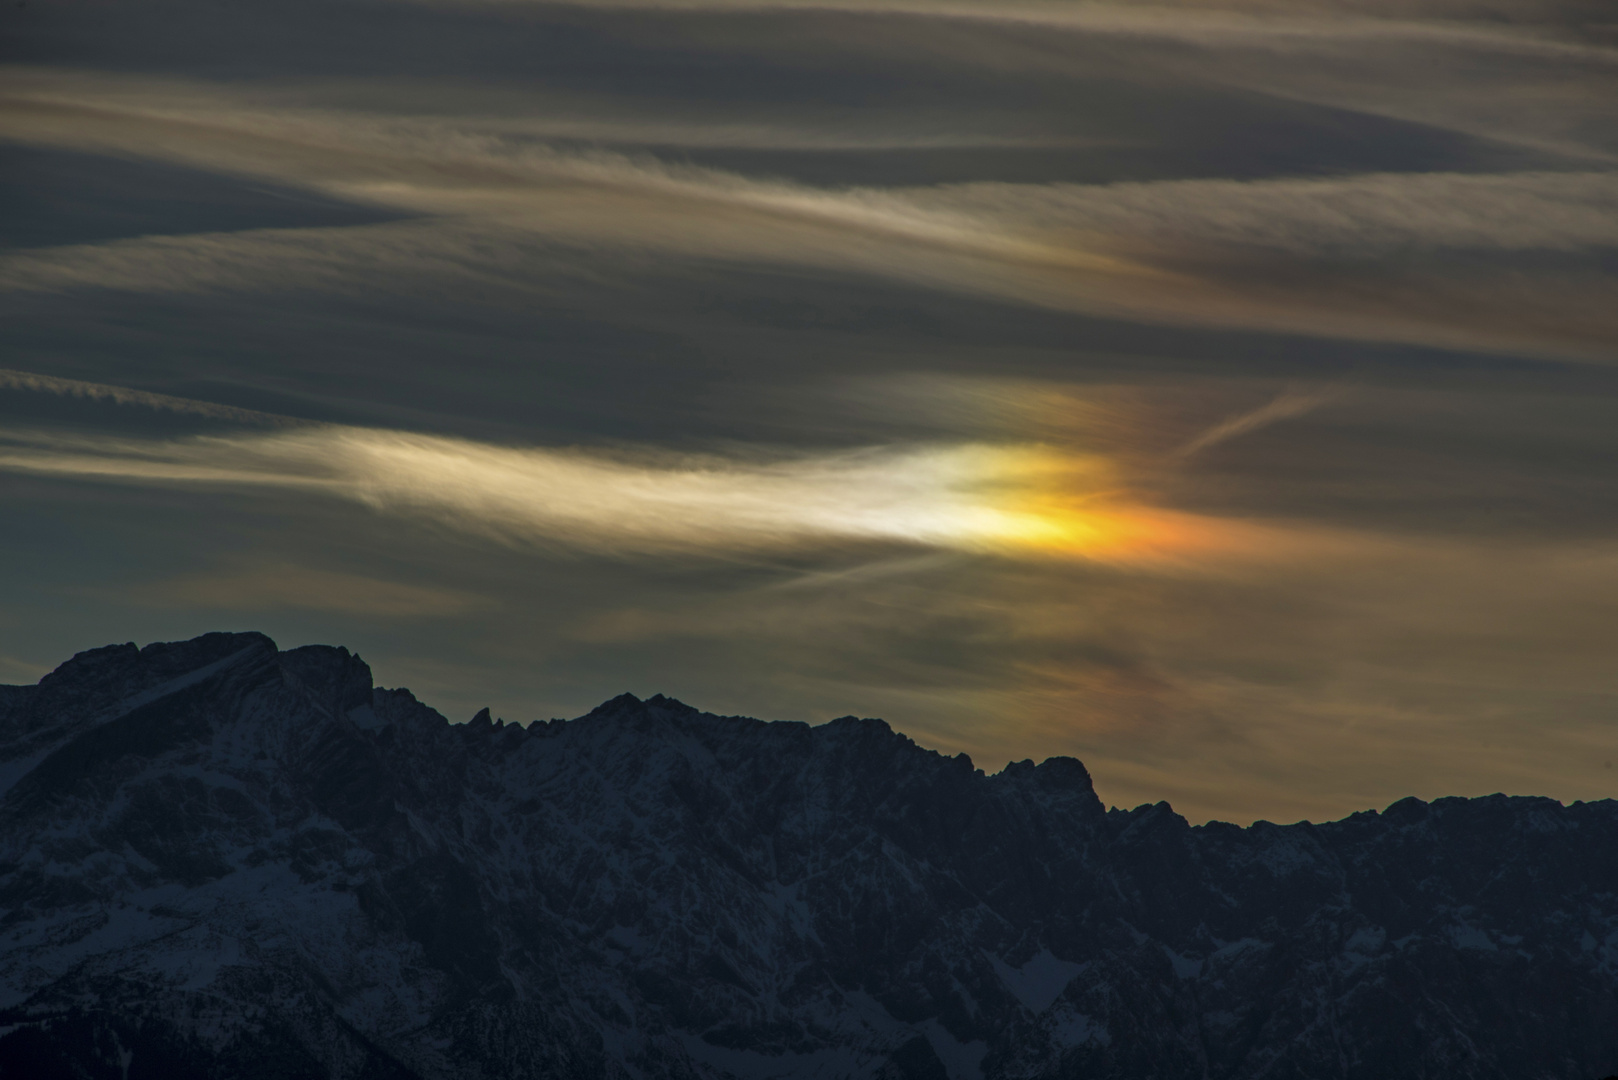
column 972, row 497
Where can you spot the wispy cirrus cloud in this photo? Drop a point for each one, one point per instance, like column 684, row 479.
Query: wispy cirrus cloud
column 122, row 395
column 1286, row 405
column 269, row 585
column 1018, row 500
column 1276, row 255
column 1500, row 24
column 970, row 364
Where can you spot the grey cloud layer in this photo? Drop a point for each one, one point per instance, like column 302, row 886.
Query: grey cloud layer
column 763, row 354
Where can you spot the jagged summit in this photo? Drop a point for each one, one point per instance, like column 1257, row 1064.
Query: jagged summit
column 221, row 859
column 118, row 672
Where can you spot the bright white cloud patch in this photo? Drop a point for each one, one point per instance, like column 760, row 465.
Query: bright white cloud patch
column 1014, row 499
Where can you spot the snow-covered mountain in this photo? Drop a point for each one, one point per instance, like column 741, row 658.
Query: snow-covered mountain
column 222, row 860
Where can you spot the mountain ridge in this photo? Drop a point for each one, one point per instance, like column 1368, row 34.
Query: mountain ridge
column 218, row 858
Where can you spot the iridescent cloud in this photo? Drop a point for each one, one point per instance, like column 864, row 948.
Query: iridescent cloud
column 1014, row 500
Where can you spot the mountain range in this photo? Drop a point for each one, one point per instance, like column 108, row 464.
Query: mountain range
column 220, row 859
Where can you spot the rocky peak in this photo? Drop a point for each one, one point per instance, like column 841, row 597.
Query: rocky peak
column 224, row 859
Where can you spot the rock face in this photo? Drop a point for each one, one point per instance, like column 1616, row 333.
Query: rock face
column 221, row 860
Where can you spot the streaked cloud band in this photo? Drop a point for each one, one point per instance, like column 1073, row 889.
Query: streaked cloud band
column 974, row 497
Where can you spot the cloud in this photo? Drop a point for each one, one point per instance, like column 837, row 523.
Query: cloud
column 690, row 367
column 275, row 586
column 20, row 672
column 473, row 164
column 1349, row 217
column 48, row 384
column 1284, row 406
column 1013, row 499
column 1303, row 688
column 1481, row 23
column 440, row 167
column 493, row 211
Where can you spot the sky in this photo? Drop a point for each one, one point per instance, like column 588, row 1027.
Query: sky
column 1225, row 394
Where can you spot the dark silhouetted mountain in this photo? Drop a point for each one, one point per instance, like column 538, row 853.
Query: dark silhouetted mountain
column 221, row 860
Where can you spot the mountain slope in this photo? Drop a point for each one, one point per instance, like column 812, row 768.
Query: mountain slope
column 219, row 859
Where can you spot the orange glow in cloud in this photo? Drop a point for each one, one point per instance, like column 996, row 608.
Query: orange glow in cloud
column 1052, row 503
column 1016, row 501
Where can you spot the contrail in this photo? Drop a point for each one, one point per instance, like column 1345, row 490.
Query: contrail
column 49, row 384
column 1284, row 406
